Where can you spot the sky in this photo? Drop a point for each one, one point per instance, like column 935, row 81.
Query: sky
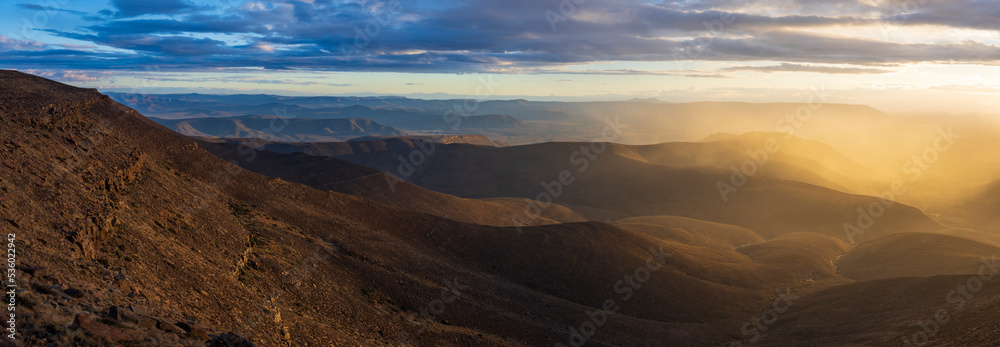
column 901, row 56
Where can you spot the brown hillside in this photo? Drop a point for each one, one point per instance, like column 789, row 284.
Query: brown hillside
column 690, row 231
column 341, row 176
column 622, row 180
column 889, row 313
column 915, row 254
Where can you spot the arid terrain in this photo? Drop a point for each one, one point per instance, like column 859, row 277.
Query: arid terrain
column 216, row 227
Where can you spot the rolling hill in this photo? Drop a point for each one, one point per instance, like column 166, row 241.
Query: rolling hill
column 341, row 176
column 642, row 181
column 915, row 255
column 889, row 312
column 690, row 231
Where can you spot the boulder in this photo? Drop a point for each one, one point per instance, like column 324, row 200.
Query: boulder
column 229, row 340
column 75, row 293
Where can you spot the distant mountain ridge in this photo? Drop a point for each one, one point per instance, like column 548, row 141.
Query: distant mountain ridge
column 515, row 121
column 280, row 129
column 479, row 140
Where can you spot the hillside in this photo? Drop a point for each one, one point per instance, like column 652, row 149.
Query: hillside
column 800, row 160
column 890, row 312
column 797, row 160
column 983, row 206
column 690, row 231
column 916, row 255
column 697, row 269
column 341, row 176
column 623, row 180
column 360, row 145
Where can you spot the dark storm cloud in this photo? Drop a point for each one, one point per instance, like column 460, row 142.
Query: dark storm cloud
column 510, row 35
column 178, row 46
column 801, row 47
column 964, row 14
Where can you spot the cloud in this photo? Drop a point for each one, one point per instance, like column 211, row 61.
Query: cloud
column 788, row 67
column 979, row 88
column 10, row 44
column 243, row 79
column 964, row 14
column 70, row 76
column 681, row 73
column 134, row 8
column 164, row 45
column 804, row 47
column 35, row 7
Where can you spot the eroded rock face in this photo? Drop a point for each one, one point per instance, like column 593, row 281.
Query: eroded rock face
column 99, row 217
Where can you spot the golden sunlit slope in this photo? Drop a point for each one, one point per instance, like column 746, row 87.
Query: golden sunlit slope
column 804, row 157
column 655, row 122
column 940, row 159
column 809, row 255
column 915, row 254
column 690, row 231
column 725, row 155
column 983, row 207
column 799, row 148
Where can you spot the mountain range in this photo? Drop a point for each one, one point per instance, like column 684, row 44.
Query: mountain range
column 187, row 231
